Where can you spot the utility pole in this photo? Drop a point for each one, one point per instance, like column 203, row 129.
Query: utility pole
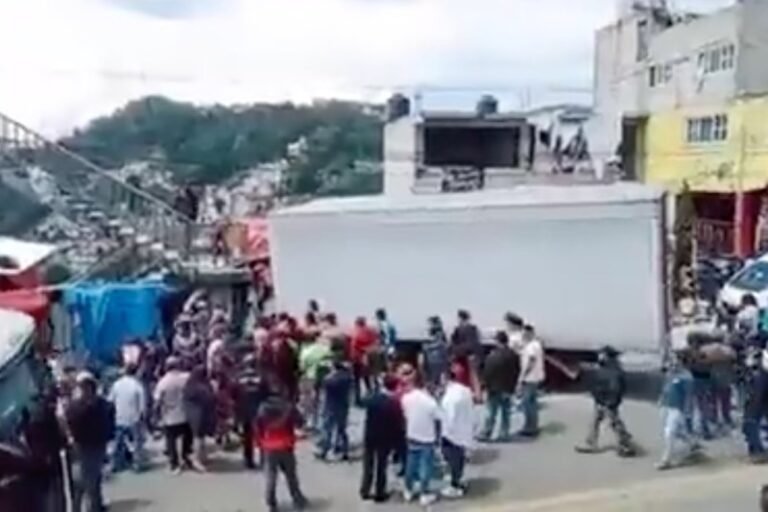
column 738, row 220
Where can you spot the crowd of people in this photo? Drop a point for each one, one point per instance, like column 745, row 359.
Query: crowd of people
column 288, row 381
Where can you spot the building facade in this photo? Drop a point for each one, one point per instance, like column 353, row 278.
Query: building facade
column 450, row 151
column 681, row 98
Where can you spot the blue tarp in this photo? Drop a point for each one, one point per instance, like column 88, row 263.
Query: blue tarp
column 109, row 314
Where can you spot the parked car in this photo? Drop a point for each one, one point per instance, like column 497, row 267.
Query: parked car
column 752, row 279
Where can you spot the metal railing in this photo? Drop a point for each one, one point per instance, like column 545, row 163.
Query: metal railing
column 93, row 193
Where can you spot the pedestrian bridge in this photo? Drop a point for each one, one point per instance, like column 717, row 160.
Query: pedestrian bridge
column 141, row 228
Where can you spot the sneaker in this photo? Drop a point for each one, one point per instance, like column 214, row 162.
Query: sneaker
column 627, row 452
column 664, row 466
column 408, row 496
column 586, row 448
column 381, row 498
column 427, row 499
column 452, row 493
column 176, row 470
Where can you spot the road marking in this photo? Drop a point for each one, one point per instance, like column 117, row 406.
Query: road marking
column 660, row 491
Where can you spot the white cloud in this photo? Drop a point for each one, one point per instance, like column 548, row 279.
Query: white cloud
column 65, row 61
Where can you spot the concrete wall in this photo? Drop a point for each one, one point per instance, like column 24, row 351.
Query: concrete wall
column 752, row 51
column 619, row 84
column 680, row 46
column 400, row 154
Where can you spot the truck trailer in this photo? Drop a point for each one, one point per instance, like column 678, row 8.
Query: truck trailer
column 584, row 264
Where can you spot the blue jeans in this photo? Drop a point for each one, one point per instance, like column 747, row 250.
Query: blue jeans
column 455, row 456
column 676, row 431
column 128, row 440
column 751, row 430
column 87, row 476
column 419, row 465
column 334, row 431
column 703, row 392
column 498, row 404
column 529, row 402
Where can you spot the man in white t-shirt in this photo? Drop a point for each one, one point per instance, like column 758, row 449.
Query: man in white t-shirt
column 531, row 377
column 514, row 330
column 422, row 414
column 130, row 401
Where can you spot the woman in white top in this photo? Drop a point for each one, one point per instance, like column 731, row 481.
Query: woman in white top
column 457, row 428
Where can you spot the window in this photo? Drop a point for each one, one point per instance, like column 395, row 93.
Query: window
column 642, row 40
column 667, row 72
column 754, row 278
column 707, row 129
column 718, row 58
column 659, row 74
column 714, row 60
column 727, row 56
column 720, row 130
column 693, row 131
column 703, row 60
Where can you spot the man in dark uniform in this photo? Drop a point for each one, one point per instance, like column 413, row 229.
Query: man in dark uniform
column 608, row 388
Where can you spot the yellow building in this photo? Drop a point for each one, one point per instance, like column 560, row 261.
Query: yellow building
column 684, row 98
column 721, row 154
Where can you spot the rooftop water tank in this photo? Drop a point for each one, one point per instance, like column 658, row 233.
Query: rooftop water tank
column 487, row 105
column 398, row 106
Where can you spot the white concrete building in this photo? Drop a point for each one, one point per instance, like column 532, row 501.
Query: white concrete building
column 450, row 151
column 652, row 59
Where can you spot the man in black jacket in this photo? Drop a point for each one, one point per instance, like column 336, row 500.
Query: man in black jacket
column 608, row 388
column 250, row 392
column 384, row 433
column 500, row 375
column 91, row 421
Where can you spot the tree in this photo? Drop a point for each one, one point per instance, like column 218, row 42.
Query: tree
column 210, row 144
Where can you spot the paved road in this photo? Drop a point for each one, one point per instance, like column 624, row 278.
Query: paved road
column 543, row 476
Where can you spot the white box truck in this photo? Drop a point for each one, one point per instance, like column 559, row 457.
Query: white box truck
column 585, row 264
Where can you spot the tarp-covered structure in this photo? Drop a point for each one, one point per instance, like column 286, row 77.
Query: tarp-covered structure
column 106, row 315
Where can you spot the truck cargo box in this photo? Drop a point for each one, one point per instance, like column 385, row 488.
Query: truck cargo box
column 584, row 263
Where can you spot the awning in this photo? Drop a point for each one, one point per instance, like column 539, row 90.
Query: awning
column 31, row 302
column 18, row 256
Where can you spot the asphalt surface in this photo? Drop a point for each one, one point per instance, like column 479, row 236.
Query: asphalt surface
column 544, row 475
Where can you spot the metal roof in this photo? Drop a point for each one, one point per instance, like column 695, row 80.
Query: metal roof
column 528, row 195
column 24, row 254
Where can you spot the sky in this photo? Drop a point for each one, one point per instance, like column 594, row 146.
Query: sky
column 67, row 61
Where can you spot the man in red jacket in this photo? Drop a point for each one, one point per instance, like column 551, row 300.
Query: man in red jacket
column 276, row 425
column 363, row 340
